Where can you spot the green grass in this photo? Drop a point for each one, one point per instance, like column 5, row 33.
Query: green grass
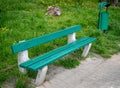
column 25, row 19
column 68, row 63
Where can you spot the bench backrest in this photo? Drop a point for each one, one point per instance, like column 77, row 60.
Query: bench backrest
column 43, row 39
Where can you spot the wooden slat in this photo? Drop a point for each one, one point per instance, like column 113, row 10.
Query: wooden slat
column 40, row 40
column 54, row 57
column 50, row 53
column 64, row 51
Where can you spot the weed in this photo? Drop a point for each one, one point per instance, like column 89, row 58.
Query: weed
column 3, row 77
column 20, row 84
column 68, row 63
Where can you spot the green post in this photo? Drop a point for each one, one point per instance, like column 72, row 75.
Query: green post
column 103, row 16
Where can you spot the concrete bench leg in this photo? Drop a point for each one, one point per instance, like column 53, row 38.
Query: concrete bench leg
column 71, row 37
column 86, row 50
column 41, row 76
column 22, row 57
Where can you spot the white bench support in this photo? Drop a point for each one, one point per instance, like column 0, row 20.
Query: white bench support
column 22, row 57
column 71, row 37
column 86, row 50
column 41, row 75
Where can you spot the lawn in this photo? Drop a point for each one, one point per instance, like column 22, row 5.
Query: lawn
column 25, row 19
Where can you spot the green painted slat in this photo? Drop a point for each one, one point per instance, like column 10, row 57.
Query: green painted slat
column 40, row 64
column 48, row 54
column 43, row 39
column 56, row 56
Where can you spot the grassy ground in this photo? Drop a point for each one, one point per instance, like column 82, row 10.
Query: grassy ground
column 25, row 19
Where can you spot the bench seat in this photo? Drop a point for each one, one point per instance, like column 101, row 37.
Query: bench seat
column 49, row 57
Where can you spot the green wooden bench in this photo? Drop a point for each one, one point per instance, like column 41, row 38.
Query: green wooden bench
column 40, row 63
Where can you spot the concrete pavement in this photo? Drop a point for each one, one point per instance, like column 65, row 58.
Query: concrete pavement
column 91, row 73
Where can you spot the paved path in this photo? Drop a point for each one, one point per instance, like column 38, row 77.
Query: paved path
column 92, row 73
